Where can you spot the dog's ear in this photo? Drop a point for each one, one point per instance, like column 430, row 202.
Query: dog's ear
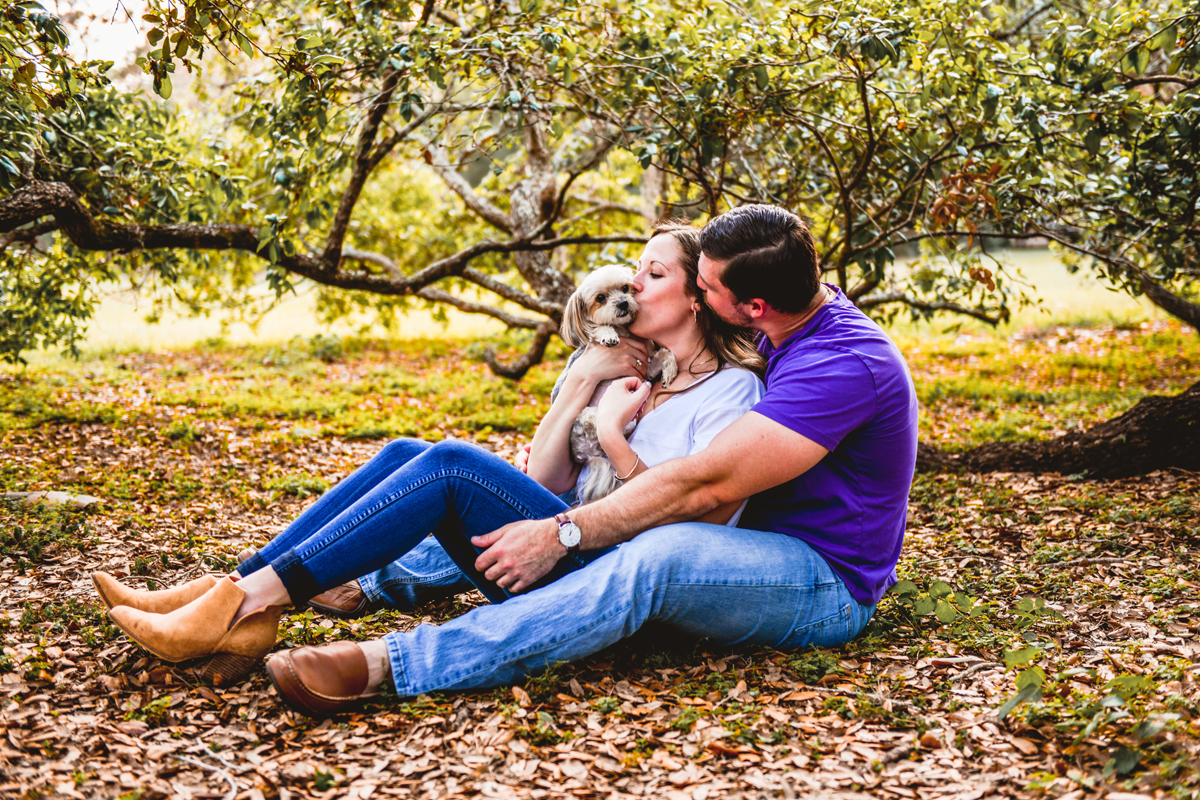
column 577, row 323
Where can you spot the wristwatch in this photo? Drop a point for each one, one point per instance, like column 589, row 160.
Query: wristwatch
column 569, row 534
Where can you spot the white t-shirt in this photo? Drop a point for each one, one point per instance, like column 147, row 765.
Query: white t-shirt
column 685, row 423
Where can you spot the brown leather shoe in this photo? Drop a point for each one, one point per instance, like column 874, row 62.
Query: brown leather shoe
column 347, row 601
column 323, row 680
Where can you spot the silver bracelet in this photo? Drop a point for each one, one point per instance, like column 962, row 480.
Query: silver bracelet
column 630, row 473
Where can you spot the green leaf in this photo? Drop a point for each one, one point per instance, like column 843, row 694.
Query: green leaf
column 1129, row 685
column 1126, row 759
column 904, row 588
column 924, row 605
column 1019, row 658
column 1149, row 728
column 1142, row 61
column 940, row 589
column 1165, row 39
column 760, row 77
column 1034, row 676
column 162, row 87
column 1028, row 693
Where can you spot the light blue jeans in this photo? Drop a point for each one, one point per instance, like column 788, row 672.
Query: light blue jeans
column 728, row 585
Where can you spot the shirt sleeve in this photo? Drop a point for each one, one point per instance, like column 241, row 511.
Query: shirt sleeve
column 727, row 403
column 821, row 394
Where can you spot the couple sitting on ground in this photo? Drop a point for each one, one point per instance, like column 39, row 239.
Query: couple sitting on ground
column 751, row 515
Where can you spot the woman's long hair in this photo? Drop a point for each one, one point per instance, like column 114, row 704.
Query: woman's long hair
column 729, row 344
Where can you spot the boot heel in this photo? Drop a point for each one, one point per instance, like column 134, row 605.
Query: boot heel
column 226, row 668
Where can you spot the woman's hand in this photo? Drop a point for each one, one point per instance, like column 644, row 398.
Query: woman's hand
column 618, row 406
column 599, row 363
column 521, row 461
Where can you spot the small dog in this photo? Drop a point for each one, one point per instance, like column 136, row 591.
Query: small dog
column 600, row 311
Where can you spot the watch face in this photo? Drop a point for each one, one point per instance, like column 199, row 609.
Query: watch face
column 569, row 534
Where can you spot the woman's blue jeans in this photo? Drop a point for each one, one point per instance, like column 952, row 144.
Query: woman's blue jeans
column 729, row 585
column 388, row 507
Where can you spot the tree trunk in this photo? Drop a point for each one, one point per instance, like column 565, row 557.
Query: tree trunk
column 1157, row 433
column 1171, row 303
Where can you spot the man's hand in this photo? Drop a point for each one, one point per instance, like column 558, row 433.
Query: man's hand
column 519, row 554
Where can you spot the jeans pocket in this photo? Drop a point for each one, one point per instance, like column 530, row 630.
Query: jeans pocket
column 830, row 631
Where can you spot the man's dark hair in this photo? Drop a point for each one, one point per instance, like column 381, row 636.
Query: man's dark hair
column 766, row 252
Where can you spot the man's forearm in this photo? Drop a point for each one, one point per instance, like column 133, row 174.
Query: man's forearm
column 676, row 491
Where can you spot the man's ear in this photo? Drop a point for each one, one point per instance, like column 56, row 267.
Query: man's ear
column 756, row 308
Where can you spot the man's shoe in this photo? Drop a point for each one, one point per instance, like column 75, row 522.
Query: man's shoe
column 319, row 681
column 347, row 601
column 113, row 593
column 205, row 628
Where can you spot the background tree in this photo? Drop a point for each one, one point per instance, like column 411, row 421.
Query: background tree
column 532, row 140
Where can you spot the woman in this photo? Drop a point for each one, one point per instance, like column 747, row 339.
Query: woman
column 456, row 491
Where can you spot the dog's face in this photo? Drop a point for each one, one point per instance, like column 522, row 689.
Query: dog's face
column 604, row 298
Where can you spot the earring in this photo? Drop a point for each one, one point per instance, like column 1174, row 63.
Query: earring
column 695, row 314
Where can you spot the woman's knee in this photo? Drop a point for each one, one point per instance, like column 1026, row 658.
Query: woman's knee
column 401, row 451
column 454, row 453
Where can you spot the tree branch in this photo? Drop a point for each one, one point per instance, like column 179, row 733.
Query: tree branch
column 438, row 159
column 474, row 276
column 1187, row 83
column 439, row 296
column 388, row 144
column 362, row 169
column 533, row 355
column 1023, row 22
column 39, row 199
column 900, row 297
column 28, row 235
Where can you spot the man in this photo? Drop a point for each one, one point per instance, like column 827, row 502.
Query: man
column 826, row 458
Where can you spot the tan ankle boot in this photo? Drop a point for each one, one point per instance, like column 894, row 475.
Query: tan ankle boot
column 113, row 593
column 205, row 629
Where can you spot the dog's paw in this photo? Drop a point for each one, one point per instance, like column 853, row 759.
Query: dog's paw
column 607, row 336
column 663, row 363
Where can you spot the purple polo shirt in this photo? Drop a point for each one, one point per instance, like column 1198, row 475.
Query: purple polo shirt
column 841, row 382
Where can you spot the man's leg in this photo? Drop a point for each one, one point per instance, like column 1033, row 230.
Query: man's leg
column 732, row 586
column 422, row 575
column 428, row 572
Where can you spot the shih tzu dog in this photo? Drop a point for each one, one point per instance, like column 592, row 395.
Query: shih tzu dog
column 600, row 312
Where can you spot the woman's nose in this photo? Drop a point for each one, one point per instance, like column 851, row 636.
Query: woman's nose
column 636, row 284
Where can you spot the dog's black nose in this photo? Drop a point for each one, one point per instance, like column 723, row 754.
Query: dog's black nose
column 623, row 306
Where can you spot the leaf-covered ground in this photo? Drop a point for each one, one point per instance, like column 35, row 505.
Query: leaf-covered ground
column 1075, row 597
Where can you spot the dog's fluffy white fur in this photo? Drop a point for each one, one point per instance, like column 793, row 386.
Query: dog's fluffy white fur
column 599, row 312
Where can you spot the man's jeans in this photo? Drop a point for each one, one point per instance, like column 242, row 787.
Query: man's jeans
column 729, row 585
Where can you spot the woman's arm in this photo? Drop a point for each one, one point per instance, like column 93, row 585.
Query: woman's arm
column 619, row 405
column 550, row 462
column 624, row 399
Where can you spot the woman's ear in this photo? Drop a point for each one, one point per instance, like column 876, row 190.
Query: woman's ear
column 576, row 325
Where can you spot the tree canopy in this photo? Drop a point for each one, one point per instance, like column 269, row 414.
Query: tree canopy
column 481, row 155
